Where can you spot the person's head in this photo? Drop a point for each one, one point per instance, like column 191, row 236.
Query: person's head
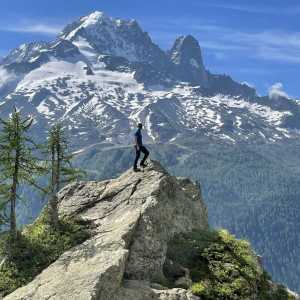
column 140, row 126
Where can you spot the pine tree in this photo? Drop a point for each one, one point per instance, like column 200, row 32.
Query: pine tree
column 60, row 168
column 18, row 165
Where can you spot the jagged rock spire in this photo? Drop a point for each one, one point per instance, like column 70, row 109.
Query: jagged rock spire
column 187, row 57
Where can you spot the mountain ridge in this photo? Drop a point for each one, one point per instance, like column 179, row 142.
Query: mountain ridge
column 105, row 35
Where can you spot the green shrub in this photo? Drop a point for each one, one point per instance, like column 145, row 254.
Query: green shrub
column 279, row 293
column 37, row 246
column 221, row 266
column 198, row 289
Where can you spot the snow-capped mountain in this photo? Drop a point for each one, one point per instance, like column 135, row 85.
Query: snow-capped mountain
column 98, row 34
column 103, row 75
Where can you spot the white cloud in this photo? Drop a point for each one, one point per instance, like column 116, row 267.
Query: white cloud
column 6, row 77
column 272, row 45
column 280, row 54
column 248, row 84
column 47, row 29
column 276, row 91
column 262, row 9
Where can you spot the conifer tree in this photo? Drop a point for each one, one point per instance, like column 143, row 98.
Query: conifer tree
column 60, row 168
column 18, row 165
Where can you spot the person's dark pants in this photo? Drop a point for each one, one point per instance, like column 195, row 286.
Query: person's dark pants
column 138, row 154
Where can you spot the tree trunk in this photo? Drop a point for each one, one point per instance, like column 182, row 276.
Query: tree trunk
column 13, row 218
column 53, row 211
column 58, row 151
column 13, row 195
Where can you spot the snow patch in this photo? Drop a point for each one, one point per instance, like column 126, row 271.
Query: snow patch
column 238, row 122
column 50, row 71
column 194, row 63
column 148, row 126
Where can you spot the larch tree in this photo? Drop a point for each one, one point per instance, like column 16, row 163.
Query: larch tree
column 60, row 168
column 18, row 165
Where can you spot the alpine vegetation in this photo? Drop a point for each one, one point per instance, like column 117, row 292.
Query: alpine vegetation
column 18, row 164
column 24, row 253
column 59, row 167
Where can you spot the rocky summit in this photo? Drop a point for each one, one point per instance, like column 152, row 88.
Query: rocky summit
column 133, row 218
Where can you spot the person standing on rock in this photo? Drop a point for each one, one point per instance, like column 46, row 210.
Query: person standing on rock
column 139, row 147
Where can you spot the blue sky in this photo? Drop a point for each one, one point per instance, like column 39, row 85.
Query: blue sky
column 253, row 41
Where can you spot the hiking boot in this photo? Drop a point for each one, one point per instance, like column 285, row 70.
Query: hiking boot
column 143, row 165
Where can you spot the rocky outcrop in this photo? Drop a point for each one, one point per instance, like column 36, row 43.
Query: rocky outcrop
column 133, row 218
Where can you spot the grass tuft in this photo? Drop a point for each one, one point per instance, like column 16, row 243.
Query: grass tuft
column 37, row 246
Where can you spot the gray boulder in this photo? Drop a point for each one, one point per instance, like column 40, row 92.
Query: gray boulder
column 133, row 217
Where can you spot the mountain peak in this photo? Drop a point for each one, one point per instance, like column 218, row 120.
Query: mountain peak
column 186, row 55
column 95, row 15
column 24, row 52
column 99, row 17
column 94, row 18
column 187, row 39
column 93, row 22
column 186, row 49
column 98, row 34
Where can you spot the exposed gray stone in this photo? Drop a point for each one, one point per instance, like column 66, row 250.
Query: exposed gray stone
column 134, row 217
column 140, row 290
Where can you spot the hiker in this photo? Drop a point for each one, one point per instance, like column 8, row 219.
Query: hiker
column 140, row 148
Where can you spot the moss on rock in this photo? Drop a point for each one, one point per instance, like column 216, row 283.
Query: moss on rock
column 37, row 246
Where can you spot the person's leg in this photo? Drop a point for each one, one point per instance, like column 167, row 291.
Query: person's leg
column 146, row 154
column 137, row 157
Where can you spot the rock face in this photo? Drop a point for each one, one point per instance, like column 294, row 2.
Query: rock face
column 133, row 218
column 187, row 59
